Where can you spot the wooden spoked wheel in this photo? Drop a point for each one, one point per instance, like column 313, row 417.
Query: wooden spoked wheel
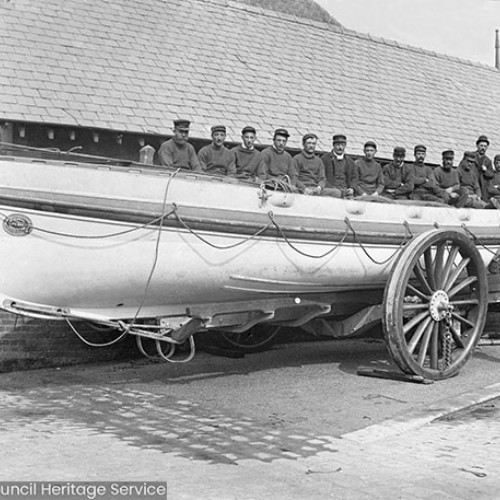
column 435, row 304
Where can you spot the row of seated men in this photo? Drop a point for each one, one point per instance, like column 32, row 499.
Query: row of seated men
column 475, row 182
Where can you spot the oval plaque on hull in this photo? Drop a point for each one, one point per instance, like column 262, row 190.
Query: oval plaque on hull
column 17, row 225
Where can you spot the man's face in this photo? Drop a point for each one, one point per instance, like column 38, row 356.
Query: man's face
column 370, row 152
column 310, row 145
column 448, row 162
column 398, row 159
column 419, row 156
column 180, row 135
column 248, row 139
column 279, row 143
column 497, row 165
column 219, row 138
column 482, row 147
column 339, row 147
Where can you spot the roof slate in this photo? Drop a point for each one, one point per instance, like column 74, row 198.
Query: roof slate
column 135, row 65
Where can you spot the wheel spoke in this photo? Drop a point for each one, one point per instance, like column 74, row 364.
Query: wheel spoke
column 425, row 344
column 465, row 283
column 415, row 321
column 466, row 302
column 417, row 292
column 418, row 334
column 438, row 264
column 456, row 337
column 434, row 346
column 414, row 307
column 456, row 273
column 429, row 268
column 449, row 264
column 463, row 320
column 422, row 279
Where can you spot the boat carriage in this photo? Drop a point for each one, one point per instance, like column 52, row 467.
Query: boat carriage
column 164, row 255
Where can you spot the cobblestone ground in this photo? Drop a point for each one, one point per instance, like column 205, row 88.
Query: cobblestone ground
column 108, row 433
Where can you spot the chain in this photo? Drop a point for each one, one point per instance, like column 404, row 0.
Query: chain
column 447, row 340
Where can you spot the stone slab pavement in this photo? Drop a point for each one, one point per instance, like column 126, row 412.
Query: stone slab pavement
column 105, row 432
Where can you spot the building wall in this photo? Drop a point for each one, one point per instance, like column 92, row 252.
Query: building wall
column 27, row 343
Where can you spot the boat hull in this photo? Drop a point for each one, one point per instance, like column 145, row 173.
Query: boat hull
column 123, row 243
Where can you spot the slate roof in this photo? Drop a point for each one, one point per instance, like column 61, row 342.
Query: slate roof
column 135, row 65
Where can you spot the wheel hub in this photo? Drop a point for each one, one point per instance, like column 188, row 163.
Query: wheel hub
column 439, row 305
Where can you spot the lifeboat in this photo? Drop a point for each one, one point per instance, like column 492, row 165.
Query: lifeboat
column 125, row 245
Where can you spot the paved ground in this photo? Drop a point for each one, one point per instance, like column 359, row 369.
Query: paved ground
column 69, row 425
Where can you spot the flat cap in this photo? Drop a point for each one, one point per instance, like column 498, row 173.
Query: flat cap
column 370, row 144
column 447, row 153
column 281, row 131
column 399, row 151
column 182, row 124
column 218, row 128
column 419, row 147
column 497, row 157
column 339, row 138
column 482, row 138
column 309, row 136
column 470, row 155
column 248, row 128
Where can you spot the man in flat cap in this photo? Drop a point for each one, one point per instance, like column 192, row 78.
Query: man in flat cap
column 310, row 169
column 369, row 172
column 485, row 170
column 398, row 176
column 340, row 170
column 276, row 162
column 247, row 159
column 493, row 184
column 448, row 181
column 425, row 187
column 469, row 181
column 215, row 158
column 177, row 152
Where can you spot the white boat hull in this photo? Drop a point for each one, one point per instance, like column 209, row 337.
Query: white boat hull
column 95, row 246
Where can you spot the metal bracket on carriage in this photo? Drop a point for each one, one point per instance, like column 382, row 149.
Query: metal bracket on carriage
column 180, row 328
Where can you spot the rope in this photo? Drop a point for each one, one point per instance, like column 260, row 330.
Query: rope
column 213, row 245
column 155, row 259
column 476, row 239
column 101, row 236
column 293, row 247
column 380, row 263
column 92, row 344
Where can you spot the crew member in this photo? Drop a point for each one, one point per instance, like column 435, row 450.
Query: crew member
column 247, row 159
column 310, row 169
column 369, row 172
column 398, row 176
column 276, row 162
column 216, row 158
column 177, row 152
column 340, row 169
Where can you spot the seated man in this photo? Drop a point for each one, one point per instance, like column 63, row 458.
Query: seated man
column 398, row 176
column 448, row 180
column 369, row 173
column 425, row 187
column 177, row 152
column 216, row 158
column 469, row 182
column 310, row 169
column 340, row 170
column 276, row 162
column 493, row 185
column 246, row 157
